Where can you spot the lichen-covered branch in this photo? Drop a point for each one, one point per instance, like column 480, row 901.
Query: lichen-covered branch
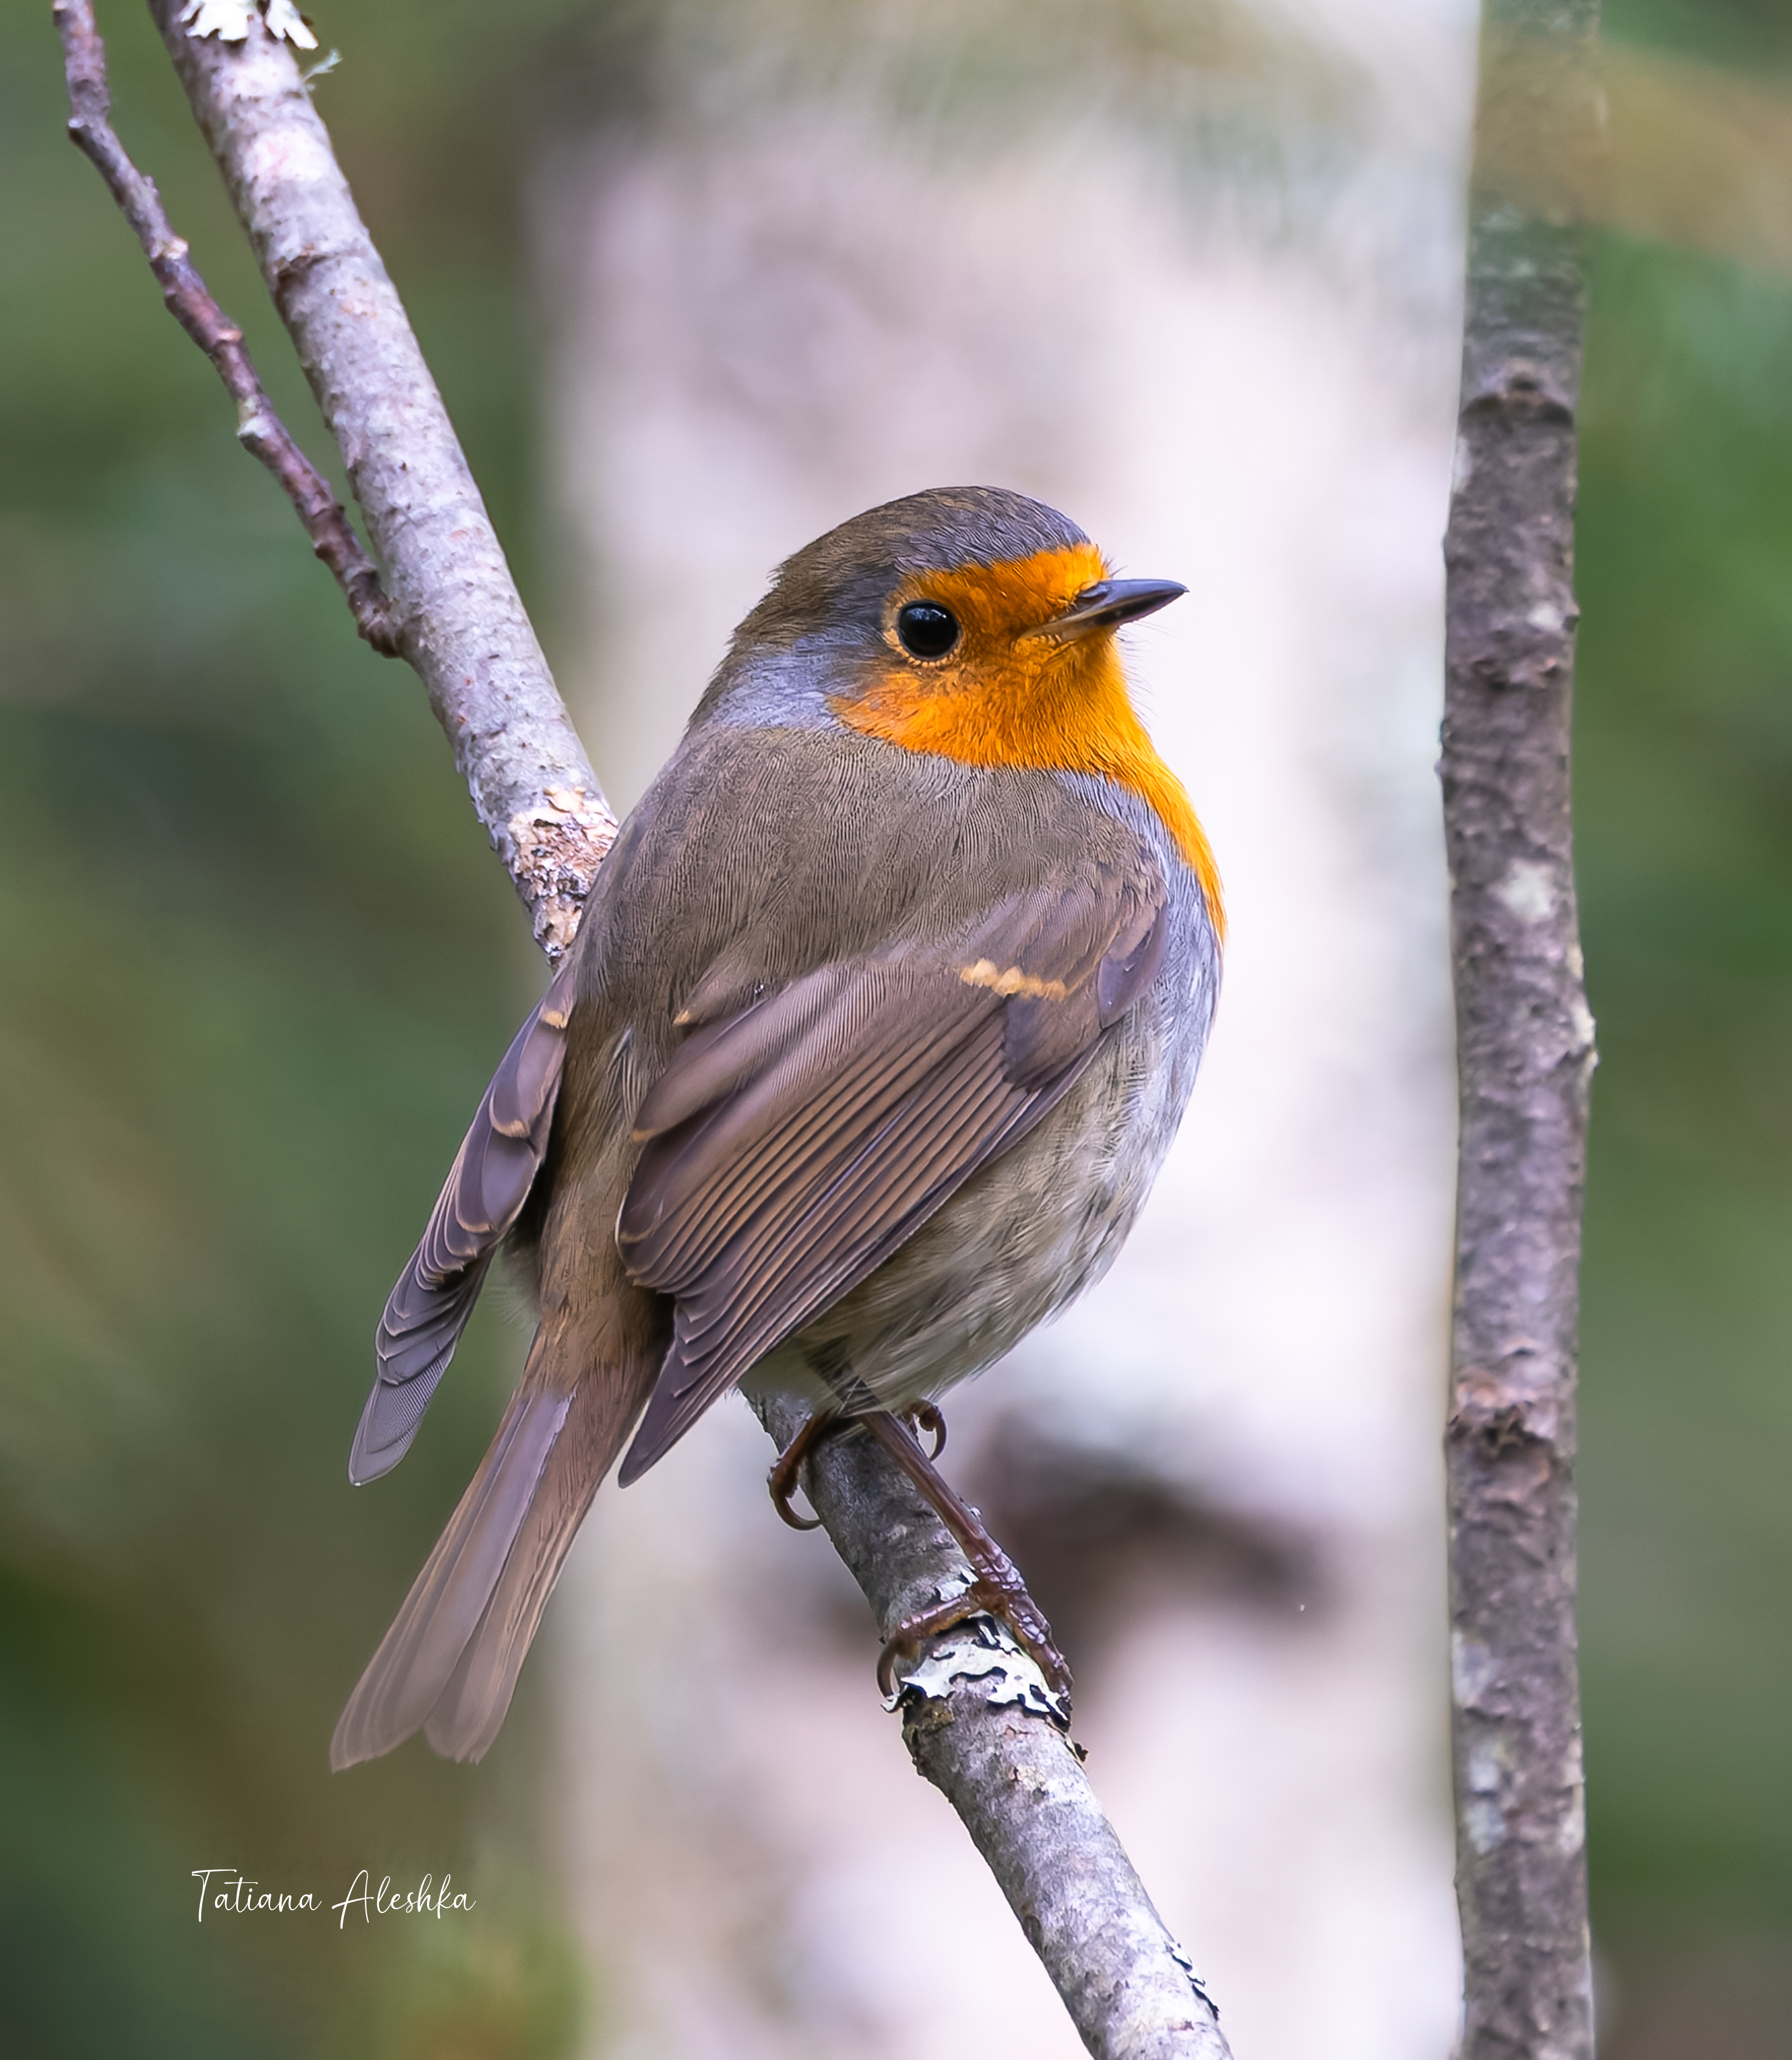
column 977, row 1718
column 259, row 429
column 976, row 1714
column 1525, row 1055
column 457, row 615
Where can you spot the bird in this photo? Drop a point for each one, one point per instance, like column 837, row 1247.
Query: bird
column 884, row 1010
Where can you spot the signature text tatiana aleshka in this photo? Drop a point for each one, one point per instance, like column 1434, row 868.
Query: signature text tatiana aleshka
column 226, row 1891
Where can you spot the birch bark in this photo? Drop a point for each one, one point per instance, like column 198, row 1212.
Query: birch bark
column 1525, row 1046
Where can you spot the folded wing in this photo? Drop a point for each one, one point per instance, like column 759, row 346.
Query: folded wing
column 790, row 1147
column 480, row 1200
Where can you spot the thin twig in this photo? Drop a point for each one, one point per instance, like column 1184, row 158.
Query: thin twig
column 1525, row 1053
column 1013, row 1777
column 461, row 621
column 258, row 428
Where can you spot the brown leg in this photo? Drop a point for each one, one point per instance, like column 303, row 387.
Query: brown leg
column 782, row 1480
column 996, row 1587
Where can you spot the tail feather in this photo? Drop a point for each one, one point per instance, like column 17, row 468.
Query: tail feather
column 471, row 1707
column 448, row 1601
column 449, row 1663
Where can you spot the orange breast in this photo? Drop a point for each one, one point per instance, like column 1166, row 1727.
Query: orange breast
column 1002, row 697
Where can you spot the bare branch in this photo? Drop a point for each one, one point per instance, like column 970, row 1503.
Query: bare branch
column 460, row 621
column 259, row 429
column 980, row 1725
column 976, row 1714
column 1526, row 1057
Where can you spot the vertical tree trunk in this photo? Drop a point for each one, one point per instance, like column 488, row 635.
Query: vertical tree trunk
column 1525, row 1045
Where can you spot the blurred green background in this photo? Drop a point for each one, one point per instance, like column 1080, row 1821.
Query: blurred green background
column 1683, row 783
column 242, row 905
column 255, row 962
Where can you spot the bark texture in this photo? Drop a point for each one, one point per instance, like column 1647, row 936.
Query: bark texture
column 1525, row 1057
column 987, row 1743
column 457, row 613
column 1010, row 1773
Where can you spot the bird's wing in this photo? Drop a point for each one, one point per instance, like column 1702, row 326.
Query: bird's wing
column 482, row 1199
column 789, row 1148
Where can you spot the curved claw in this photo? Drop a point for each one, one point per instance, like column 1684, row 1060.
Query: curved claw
column 886, row 1667
column 782, row 1482
column 781, row 1502
column 927, row 1416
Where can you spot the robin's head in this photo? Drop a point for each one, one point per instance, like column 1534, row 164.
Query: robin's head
column 957, row 620
column 966, row 621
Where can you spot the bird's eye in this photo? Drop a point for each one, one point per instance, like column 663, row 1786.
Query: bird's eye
column 927, row 630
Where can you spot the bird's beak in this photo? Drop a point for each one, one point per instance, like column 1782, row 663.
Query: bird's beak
column 1107, row 604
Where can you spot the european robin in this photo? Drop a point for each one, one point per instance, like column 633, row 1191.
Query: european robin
column 884, row 1009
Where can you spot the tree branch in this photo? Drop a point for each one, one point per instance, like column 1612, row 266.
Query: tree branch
column 260, row 429
column 460, row 620
column 981, row 1724
column 976, row 1715
column 1525, row 1053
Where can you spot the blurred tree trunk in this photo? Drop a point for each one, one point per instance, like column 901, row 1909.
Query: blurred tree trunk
column 1525, row 1043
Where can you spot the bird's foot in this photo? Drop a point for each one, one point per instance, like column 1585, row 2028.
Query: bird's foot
column 995, row 1588
column 784, row 1478
column 1004, row 1597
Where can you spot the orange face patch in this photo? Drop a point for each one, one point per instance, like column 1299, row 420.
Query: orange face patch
column 1006, row 695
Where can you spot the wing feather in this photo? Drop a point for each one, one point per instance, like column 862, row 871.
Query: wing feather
column 480, row 1200
column 790, row 1147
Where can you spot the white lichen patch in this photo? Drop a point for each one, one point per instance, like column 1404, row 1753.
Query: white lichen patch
column 229, row 20
column 554, row 850
column 1485, row 1823
column 980, row 1650
column 1473, row 1669
column 1487, row 1765
column 1528, row 891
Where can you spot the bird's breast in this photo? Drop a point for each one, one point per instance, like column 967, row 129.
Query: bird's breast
column 1047, row 713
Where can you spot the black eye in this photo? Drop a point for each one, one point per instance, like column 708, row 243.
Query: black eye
column 927, row 630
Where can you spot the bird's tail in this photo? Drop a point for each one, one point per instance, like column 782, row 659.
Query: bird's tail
column 449, row 1663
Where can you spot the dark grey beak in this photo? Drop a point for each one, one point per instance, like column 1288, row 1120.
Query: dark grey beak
column 1109, row 603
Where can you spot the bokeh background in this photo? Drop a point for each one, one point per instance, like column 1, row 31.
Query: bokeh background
column 255, row 965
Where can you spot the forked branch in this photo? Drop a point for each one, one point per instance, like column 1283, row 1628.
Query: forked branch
column 260, row 429
column 454, row 611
